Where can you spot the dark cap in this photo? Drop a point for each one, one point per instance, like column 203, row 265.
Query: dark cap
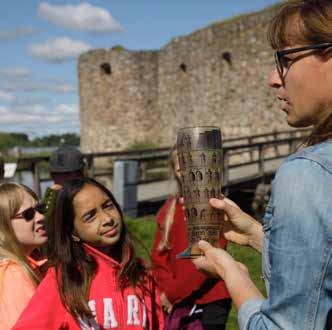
column 66, row 159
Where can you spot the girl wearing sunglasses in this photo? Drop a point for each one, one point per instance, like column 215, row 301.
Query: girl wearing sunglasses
column 22, row 231
column 96, row 281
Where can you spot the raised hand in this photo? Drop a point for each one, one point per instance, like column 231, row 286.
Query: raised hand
column 238, row 226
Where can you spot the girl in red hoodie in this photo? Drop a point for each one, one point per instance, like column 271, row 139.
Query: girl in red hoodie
column 96, row 281
column 22, row 231
column 190, row 299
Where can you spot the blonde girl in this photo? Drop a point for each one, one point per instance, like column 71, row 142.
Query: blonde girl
column 22, row 231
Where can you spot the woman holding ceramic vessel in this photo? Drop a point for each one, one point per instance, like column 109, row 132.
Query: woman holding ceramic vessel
column 296, row 233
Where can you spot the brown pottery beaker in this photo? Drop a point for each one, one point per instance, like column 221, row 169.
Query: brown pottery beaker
column 200, row 157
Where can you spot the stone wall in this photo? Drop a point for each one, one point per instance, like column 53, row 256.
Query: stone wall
column 215, row 76
column 118, row 98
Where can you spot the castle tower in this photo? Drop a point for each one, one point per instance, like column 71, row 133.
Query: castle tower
column 118, row 98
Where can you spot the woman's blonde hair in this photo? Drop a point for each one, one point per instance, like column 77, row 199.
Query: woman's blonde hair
column 11, row 199
column 305, row 22
column 169, row 218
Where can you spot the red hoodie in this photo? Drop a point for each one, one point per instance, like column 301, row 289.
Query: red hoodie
column 113, row 309
column 178, row 278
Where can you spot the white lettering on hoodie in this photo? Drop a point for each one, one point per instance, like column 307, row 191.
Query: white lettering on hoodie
column 110, row 321
column 132, row 302
column 109, row 317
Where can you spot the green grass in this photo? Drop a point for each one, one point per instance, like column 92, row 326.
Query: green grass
column 144, row 229
column 252, row 260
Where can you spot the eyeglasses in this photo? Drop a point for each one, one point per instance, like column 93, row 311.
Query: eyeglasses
column 30, row 213
column 283, row 62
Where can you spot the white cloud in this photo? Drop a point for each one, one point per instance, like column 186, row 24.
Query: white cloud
column 20, row 79
column 84, row 17
column 66, row 109
column 35, row 85
column 40, row 117
column 15, row 72
column 10, row 117
column 35, row 124
column 64, row 88
column 6, row 96
column 17, row 33
column 14, row 118
column 22, row 86
column 29, row 108
column 59, row 49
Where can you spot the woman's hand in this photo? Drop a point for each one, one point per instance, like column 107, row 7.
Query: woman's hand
column 165, row 303
column 217, row 262
column 239, row 227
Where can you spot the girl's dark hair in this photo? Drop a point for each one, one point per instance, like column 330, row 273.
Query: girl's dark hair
column 74, row 267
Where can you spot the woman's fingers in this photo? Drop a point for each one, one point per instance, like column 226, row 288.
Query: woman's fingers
column 204, row 245
column 209, row 251
column 226, row 205
column 214, row 260
column 229, row 201
column 203, row 264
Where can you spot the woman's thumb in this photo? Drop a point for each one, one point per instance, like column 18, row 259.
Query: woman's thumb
column 204, row 245
column 219, row 204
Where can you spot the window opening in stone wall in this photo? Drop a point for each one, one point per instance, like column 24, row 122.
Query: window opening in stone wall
column 183, row 67
column 106, row 68
column 227, row 56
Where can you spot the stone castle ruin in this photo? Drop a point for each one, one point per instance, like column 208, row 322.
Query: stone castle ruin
column 214, row 76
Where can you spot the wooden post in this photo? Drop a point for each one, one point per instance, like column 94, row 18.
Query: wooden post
column 292, row 146
column 90, row 164
column 261, row 167
column 251, row 150
column 125, row 182
column 36, row 178
column 275, row 136
column 143, row 166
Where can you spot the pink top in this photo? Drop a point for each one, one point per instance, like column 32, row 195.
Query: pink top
column 16, row 290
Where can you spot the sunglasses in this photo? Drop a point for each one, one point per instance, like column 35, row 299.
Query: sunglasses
column 30, row 213
column 283, row 62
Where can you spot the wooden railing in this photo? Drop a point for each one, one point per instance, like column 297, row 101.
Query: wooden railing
column 237, row 152
column 259, row 153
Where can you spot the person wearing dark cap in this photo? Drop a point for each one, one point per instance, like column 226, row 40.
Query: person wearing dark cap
column 66, row 163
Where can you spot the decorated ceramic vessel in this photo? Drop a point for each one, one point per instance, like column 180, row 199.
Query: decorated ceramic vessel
column 200, row 157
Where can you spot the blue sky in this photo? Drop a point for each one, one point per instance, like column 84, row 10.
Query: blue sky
column 41, row 40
